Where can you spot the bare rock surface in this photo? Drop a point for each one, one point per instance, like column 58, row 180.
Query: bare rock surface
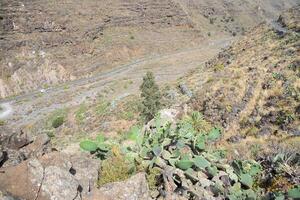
column 51, row 176
column 20, row 146
column 85, row 171
column 135, row 188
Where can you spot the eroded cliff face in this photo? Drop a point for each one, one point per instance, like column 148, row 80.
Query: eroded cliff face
column 50, row 42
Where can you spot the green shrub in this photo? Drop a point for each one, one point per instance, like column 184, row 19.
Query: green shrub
column 198, row 122
column 58, row 121
column 56, row 118
column 129, row 109
column 102, row 108
column 2, row 123
column 50, row 133
column 81, row 113
column 151, row 97
column 219, row 67
column 178, row 155
column 152, row 177
column 115, row 168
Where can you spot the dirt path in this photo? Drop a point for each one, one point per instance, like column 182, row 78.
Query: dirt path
column 31, row 107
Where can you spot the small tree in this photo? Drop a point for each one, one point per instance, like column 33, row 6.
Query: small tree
column 151, row 97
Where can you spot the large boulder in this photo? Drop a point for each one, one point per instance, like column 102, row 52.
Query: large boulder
column 52, row 176
column 19, row 147
column 185, row 90
column 23, row 181
column 135, row 188
column 85, row 171
column 60, row 184
column 40, row 146
column 16, row 140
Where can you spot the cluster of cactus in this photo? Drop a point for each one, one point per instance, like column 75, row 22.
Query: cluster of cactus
column 188, row 168
column 181, row 151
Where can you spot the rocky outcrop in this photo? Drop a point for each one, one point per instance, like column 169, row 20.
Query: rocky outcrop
column 135, row 188
column 30, row 170
column 52, row 176
column 63, row 177
column 20, row 146
column 85, row 170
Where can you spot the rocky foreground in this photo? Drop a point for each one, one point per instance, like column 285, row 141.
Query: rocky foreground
column 46, row 173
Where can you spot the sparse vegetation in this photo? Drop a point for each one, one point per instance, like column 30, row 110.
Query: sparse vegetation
column 81, row 113
column 102, row 108
column 129, row 109
column 2, row 122
column 115, row 168
column 219, row 67
column 58, row 121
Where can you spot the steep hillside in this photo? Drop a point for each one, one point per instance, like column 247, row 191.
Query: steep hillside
column 252, row 89
column 45, row 43
column 232, row 17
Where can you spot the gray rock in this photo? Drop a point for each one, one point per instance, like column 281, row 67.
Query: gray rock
column 85, row 171
column 168, row 115
column 185, row 90
column 7, row 197
column 135, row 188
column 294, row 132
column 14, row 157
column 39, row 147
column 264, row 132
column 17, row 140
column 236, row 138
column 59, row 184
column 13, row 179
column 20, row 147
column 46, row 178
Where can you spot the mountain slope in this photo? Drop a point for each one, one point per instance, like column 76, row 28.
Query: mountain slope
column 252, row 89
column 44, row 43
